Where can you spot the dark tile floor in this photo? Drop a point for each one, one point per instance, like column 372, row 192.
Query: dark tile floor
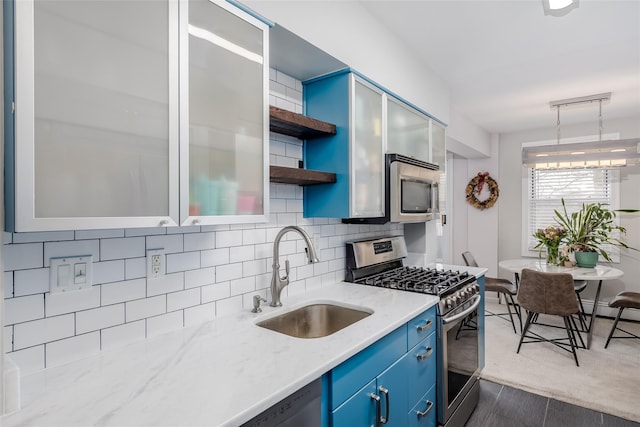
column 509, row 407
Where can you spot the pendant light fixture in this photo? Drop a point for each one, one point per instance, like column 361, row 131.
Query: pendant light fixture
column 559, row 7
column 610, row 153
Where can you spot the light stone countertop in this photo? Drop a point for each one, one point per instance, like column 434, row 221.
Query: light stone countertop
column 221, row 373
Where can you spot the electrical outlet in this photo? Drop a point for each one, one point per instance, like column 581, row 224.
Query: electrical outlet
column 155, row 263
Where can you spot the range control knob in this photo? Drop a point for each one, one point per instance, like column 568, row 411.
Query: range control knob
column 448, row 303
column 463, row 295
column 472, row 290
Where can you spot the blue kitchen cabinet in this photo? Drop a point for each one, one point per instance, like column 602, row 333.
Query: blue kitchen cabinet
column 400, row 367
column 355, row 153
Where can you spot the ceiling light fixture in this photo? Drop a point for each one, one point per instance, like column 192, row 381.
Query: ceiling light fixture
column 598, row 153
column 559, row 7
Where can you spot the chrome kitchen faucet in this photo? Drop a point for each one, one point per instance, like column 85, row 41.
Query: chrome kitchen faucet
column 278, row 283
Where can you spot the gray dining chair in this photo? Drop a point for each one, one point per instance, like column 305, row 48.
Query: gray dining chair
column 551, row 294
column 625, row 299
column 503, row 287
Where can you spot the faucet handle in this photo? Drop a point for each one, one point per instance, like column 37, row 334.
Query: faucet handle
column 256, row 304
column 286, row 267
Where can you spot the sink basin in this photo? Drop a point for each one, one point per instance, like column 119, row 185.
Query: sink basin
column 314, row 320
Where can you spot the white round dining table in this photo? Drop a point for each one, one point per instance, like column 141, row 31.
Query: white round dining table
column 599, row 273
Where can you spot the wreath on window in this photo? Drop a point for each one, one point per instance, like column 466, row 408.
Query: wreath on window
column 475, row 187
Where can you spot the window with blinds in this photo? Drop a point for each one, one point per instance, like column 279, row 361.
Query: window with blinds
column 547, row 187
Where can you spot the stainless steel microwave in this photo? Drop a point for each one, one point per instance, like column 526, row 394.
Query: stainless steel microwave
column 411, row 191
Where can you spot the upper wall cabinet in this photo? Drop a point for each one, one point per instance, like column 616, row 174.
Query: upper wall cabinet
column 224, row 167
column 119, row 124
column 407, row 131
column 355, row 154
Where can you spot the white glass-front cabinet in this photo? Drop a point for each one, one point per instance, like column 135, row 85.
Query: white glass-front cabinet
column 110, row 94
column 224, row 115
column 407, row 131
column 438, row 145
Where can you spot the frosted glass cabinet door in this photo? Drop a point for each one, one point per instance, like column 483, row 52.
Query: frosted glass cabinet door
column 407, row 131
column 224, row 113
column 367, row 191
column 96, row 133
column 438, row 146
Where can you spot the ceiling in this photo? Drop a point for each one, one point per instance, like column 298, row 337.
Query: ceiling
column 505, row 60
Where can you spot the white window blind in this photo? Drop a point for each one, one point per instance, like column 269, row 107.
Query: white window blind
column 547, row 188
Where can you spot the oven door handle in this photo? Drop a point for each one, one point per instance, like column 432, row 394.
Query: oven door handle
column 465, row 313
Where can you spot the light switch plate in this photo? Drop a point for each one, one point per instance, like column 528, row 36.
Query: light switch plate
column 71, row 273
column 155, row 263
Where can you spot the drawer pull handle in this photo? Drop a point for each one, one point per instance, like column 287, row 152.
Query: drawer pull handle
column 426, row 411
column 377, row 399
column 423, row 328
column 385, row 391
column 425, row 355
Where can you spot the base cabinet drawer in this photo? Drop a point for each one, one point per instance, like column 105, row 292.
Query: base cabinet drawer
column 423, row 414
column 421, row 365
column 358, row 410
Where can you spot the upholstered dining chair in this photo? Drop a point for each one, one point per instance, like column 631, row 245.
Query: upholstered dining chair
column 551, row 294
column 503, row 287
column 625, row 299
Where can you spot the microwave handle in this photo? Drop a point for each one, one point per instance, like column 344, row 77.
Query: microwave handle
column 436, row 198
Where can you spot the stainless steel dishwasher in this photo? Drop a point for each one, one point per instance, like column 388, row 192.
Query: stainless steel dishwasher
column 302, row 408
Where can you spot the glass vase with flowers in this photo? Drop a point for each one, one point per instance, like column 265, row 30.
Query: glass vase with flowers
column 549, row 238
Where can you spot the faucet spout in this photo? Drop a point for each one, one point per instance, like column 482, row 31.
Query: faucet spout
column 278, row 283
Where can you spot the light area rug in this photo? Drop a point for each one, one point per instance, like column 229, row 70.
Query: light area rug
column 607, row 380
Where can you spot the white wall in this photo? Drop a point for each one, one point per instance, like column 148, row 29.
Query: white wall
column 346, row 30
column 510, row 207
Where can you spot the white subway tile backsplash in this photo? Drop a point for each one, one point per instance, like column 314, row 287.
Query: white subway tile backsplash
column 263, row 281
column 29, row 282
column 226, row 239
column 23, row 309
column 229, row 272
column 72, row 248
column 42, row 331
column 183, row 261
column 320, row 268
column 99, row 318
column 199, row 314
column 70, row 302
column 127, row 247
column 165, row 284
column 44, row 236
column 7, row 278
column 29, row 360
column 135, row 268
column 254, row 268
column 241, row 253
column 99, row 234
column 165, row 323
column 216, row 291
column 135, row 232
column 183, row 299
column 22, row 256
column 252, row 237
column 199, row 241
column 127, row 290
column 214, row 257
column 119, row 336
column 242, row 286
column 285, row 79
column 183, row 230
column 108, row 271
column 171, row 243
column 228, row 306
column 70, row 349
column 200, row 277
column 305, row 271
column 147, row 307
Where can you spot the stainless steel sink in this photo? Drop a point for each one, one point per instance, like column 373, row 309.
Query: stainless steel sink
column 314, row 320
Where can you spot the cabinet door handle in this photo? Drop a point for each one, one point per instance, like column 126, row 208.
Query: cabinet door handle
column 377, row 399
column 164, row 223
column 426, row 411
column 423, row 328
column 384, row 420
column 425, row 355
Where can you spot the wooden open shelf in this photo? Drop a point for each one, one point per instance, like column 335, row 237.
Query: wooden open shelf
column 298, row 176
column 298, row 125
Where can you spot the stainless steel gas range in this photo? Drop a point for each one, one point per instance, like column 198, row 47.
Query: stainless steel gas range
column 379, row 262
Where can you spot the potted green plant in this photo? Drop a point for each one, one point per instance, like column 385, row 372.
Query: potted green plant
column 588, row 229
